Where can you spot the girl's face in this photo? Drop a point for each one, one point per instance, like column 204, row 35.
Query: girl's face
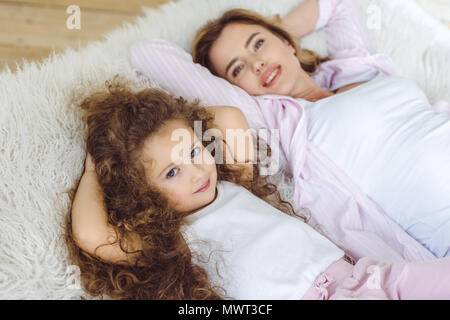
column 181, row 168
column 253, row 58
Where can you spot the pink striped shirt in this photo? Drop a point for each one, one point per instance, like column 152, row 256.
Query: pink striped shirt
column 337, row 207
column 353, row 58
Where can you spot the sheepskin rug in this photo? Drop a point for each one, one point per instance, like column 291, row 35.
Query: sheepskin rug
column 42, row 146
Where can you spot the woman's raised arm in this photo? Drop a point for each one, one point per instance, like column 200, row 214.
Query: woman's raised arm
column 302, row 19
column 238, row 145
column 344, row 26
column 173, row 69
column 341, row 20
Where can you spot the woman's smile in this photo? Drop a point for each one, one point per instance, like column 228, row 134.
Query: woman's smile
column 271, row 76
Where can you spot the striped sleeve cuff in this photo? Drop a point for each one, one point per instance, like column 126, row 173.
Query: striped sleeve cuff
column 326, row 10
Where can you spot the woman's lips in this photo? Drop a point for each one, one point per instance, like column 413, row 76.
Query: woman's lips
column 204, row 187
column 271, row 76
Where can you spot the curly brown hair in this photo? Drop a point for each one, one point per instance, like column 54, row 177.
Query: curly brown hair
column 208, row 34
column 119, row 121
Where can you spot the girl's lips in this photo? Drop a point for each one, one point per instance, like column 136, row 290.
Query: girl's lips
column 204, row 187
column 268, row 73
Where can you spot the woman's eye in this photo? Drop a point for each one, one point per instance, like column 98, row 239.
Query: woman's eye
column 195, row 152
column 237, row 70
column 172, row 173
column 258, row 44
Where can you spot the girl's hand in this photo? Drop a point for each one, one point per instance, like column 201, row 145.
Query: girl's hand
column 89, row 165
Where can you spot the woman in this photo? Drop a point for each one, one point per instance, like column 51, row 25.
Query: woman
column 361, row 119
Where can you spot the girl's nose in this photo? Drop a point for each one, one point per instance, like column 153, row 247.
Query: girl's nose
column 198, row 172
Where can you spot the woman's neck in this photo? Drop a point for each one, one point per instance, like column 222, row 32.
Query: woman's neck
column 310, row 91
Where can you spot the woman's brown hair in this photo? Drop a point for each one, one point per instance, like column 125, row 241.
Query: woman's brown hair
column 119, row 121
column 208, row 34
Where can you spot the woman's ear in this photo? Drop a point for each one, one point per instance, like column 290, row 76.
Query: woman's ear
column 290, row 46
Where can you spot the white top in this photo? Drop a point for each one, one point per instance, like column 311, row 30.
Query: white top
column 258, row 251
column 385, row 136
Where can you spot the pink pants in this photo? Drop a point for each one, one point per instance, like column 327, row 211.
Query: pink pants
column 371, row 279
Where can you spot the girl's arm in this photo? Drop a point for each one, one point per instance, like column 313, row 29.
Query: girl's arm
column 90, row 228
column 302, row 19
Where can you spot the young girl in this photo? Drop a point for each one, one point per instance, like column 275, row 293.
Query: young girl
column 161, row 217
column 377, row 128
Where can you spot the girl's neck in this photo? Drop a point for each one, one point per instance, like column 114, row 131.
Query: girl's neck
column 196, row 210
column 310, row 91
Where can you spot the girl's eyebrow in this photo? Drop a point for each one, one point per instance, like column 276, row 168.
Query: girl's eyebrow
column 246, row 45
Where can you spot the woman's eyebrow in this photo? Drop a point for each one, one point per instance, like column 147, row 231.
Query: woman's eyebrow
column 246, row 45
column 250, row 39
column 230, row 64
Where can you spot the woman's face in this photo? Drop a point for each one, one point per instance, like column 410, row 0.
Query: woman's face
column 253, row 58
column 180, row 167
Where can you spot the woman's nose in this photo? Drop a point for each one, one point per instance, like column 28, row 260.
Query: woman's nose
column 259, row 65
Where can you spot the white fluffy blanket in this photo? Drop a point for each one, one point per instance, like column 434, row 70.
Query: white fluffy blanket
column 42, row 136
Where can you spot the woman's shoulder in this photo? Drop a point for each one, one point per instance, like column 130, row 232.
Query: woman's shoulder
column 337, row 73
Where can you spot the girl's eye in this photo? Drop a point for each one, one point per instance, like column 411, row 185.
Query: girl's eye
column 195, row 152
column 236, row 71
column 258, row 44
column 173, row 172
